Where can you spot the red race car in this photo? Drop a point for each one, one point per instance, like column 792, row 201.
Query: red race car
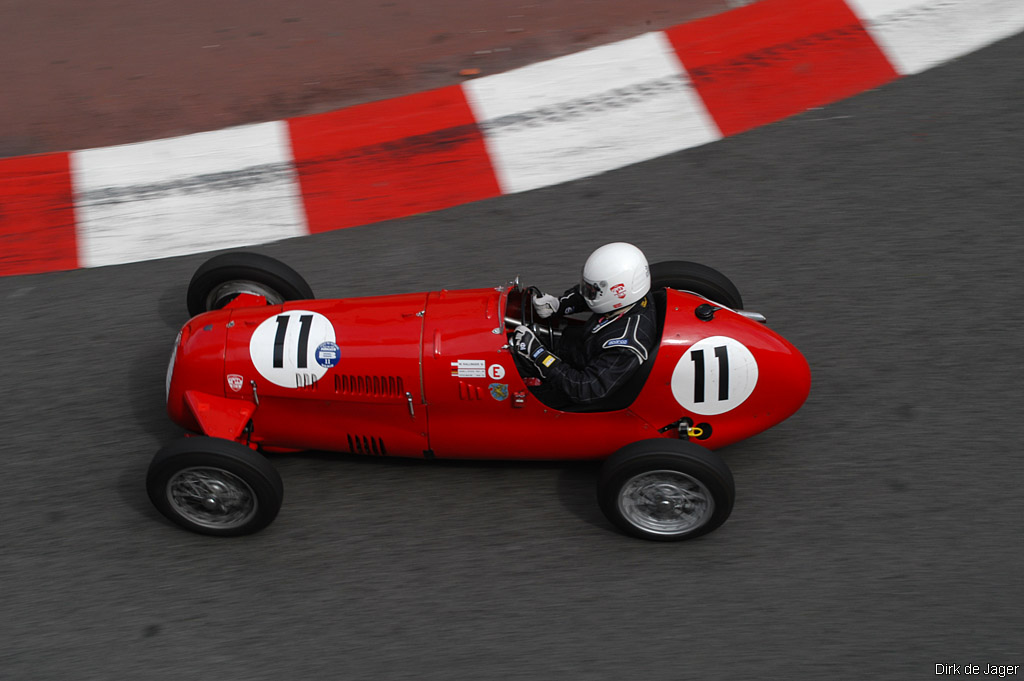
column 263, row 367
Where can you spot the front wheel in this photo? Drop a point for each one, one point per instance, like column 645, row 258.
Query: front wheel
column 213, row 486
column 225, row 276
column 666, row 490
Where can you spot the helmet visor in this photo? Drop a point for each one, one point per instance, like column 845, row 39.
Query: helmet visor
column 590, row 291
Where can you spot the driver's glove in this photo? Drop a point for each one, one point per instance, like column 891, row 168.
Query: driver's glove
column 526, row 344
column 545, row 305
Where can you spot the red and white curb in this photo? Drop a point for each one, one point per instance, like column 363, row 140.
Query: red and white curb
column 536, row 126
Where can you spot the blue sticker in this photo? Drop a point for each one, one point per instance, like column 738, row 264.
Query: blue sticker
column 538, row 352
column 617, row 341
column 327, row 354
column 499, row 391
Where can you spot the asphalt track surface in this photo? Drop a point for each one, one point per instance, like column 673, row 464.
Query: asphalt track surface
column 876, row 533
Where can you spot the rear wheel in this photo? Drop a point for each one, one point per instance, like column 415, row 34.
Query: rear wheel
column 700, row 279
column 666, row 490
column 213, row 486
column 222, row 277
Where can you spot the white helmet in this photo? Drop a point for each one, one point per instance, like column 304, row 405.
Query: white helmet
column 614, row 276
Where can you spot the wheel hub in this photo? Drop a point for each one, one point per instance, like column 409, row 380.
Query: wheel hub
column 211, row 497
column 666, row 502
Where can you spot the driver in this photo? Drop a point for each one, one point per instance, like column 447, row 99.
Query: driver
column 586, row 366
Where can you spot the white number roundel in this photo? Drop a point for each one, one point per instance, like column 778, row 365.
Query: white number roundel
column 294, row 349
column 714, row 375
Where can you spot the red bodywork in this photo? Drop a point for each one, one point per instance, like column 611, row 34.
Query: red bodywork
column 430, row 374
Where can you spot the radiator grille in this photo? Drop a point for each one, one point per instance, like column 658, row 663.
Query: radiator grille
column 369, row 386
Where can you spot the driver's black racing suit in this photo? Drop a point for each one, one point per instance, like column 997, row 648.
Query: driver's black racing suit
column 598, row 358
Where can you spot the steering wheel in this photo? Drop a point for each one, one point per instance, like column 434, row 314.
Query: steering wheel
column 530, row 319
column 528, row 316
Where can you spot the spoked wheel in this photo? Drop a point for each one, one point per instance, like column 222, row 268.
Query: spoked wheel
column 666, row 490
column 222, row 277
column 214, row 486
column 700, row 279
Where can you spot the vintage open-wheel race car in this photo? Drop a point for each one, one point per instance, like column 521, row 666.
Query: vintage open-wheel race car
column 264, row 367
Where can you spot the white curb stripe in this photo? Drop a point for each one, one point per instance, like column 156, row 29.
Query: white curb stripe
column 182, row 195
column 588, row 113
column 916, row 36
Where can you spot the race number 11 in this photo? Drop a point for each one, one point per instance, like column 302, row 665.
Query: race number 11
column 282, row 331
column 294, row 348
column 714, row 375
column 722, row 353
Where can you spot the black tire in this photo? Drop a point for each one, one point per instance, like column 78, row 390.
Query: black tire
column 700, row 279
column 224, row 276
column 242, row 490
column 689, row 484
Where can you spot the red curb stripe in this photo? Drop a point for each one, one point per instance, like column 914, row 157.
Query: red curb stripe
column 776, row 58
column 37, row 215
column 390, row 159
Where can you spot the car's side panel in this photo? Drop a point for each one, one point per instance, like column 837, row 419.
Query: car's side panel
column 479, row 406
column 338, row 375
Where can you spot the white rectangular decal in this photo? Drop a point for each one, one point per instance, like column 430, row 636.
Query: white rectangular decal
column 469, row 368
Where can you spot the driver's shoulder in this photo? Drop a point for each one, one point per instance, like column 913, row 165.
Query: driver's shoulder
column 642, row 316
column 633, row 331
column 648, row 315
column 629, row 337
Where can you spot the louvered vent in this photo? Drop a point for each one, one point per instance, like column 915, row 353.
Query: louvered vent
column 369, row 386
column 366, row 445
column 469, row 392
